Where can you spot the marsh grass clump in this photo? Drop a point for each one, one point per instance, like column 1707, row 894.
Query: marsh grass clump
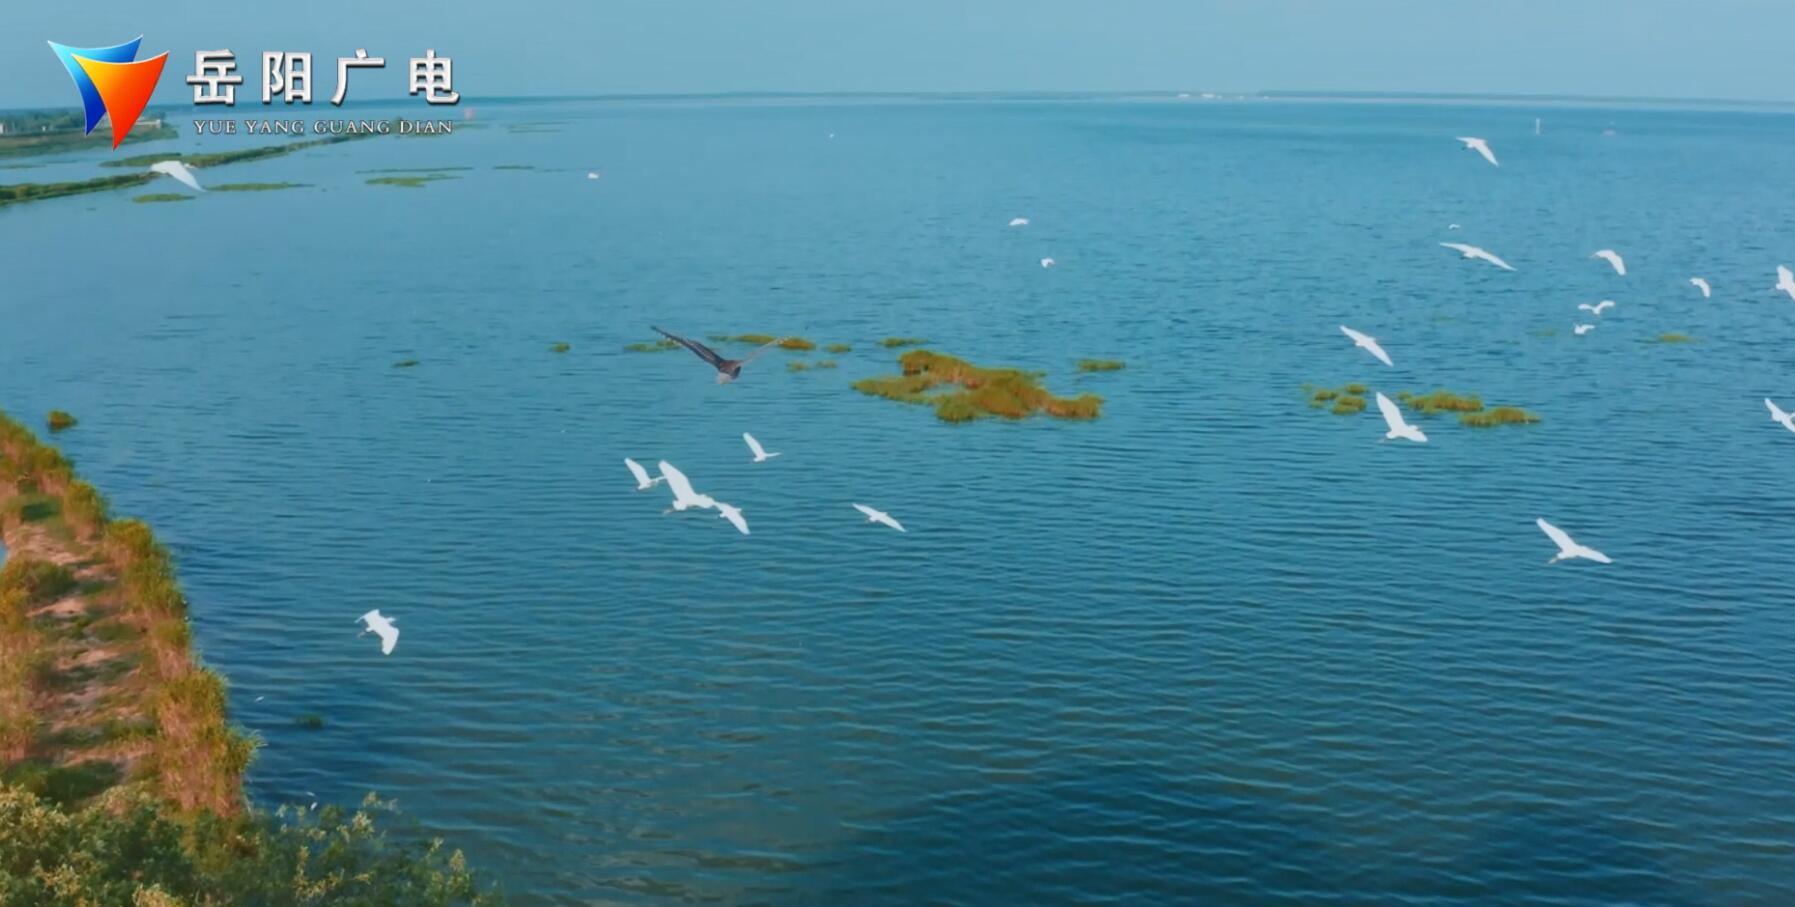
column 1345, row 400
column 1441, row 401
column 418, row 181
column 785, row 343
column 154, row 197
column 797, row 365
column 839, row 348
column 406, row 363
column 1501, row 415
column 895, row 342
column 824, row 363
column 256, row 187
column 974, row 392
column 1673, row 338
column 560, row 347
column 652, row 346
column 310, row 722
column 59, row 420
column 1101, row 365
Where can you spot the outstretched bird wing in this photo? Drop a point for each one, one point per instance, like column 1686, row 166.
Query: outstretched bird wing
column 753, row 445
column 1776, row 412
column 703, row 352
column 1558, row 536
column 1392, row 415
column 636, row 470
column 760, row 349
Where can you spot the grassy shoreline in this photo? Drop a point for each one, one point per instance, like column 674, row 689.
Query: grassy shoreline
column 121, row 775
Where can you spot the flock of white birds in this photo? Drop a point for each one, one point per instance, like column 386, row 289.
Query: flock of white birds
column 1400, row 429
column 687, row 498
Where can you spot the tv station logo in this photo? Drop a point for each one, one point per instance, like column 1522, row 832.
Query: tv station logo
column 115, row 85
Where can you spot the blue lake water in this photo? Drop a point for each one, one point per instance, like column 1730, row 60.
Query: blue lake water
column 1215, row 647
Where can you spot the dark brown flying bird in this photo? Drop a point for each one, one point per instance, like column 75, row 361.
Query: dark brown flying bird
column 727, row 369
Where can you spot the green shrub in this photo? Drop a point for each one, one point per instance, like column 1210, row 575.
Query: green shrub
column 59, row 420
column 132, row 852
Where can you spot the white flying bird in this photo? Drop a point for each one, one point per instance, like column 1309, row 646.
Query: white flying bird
column 733, row 515
column 1785, row 281
column 1454, row 227
column 179, row 171
column 1018, row 221
column 643, row 482
column 684, row 498
column 1777, row 415
column 1047, row 262
column 760, row 453
column 1474, row 252
column 1481, row 147
column 880, row 516
column 1568, row 549
column 383, row 628
column 1398, row 427
column 1598, row 308
column 1368, row 343
column 1582, row 329
column 592, row 174
column 1613, row 258
column 1702, row 285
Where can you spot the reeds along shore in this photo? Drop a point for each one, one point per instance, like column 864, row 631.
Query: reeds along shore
column 120, row 577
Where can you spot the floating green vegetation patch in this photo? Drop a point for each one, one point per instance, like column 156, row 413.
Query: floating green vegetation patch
column 1346, row 399
column 785, row 343
column 560, row 347
column 652, row 346
column 162, row 197
column 895, row 342
column 410, row 182
column 824, row 363
column 797, row 365
column 1469, row 407
column 415, row 170
column 1441, row 401
column 310, row 722
column 839, row 348
column 59, row 420
column 1501, row 415
column 406, row 363
column 1101, row 365
column 972, row 392
column 1673, row 338
column 515, row 167
column 256, row 187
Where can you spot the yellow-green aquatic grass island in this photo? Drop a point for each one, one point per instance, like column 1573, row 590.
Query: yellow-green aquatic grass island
column 839, row 348
column 1101, row 365
column 156, row 197
column 560, row 347
column 1501, row 415
column 895, row 342
column 59, row 420
column 785, row 343
column 651, row 346
column 976, row 392
column 1346, row 400
column 1347, row 405
column 1674, row 338
column 1441, row 401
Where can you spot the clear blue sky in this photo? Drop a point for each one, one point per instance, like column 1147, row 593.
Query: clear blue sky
column 1679, row 48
